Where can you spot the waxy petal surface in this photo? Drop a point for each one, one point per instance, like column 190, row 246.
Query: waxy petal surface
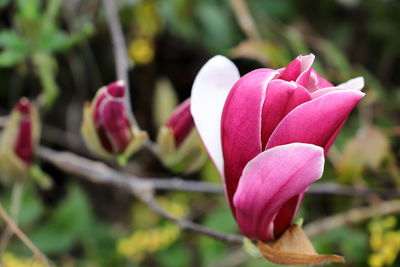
column 181, row 122
column 299, row 70
column 281, row 97
column 210, row 90
column 316, row 121
column 116, row 124
column 270, row 180
column 317, row 82
column 241, row 125
column 353, row 84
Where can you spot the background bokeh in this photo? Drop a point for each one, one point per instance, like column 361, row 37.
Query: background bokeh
column 59, row 53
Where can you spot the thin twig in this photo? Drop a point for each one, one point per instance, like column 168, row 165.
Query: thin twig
column 143, row 188
column 120, row 51
column 98, row 172
column 245, row 19
column 150, row 201
column 18, row 232
column 352, row 216
column 16, row 197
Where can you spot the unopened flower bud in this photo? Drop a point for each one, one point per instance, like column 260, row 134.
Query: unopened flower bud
column 180, row 146
column 18, row 140
column 106, row 127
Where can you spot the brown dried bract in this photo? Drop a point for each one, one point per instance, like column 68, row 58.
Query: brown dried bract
column 294, row 248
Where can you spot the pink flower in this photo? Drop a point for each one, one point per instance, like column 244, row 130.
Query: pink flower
column 106, row 126
column 19, row 139
column 180, row 147
column 267, row 134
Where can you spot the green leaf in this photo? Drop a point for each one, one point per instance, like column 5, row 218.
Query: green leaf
column 52, row 240
column 339, row 238
column 176, row 255
column 4, row 3
column 31, row 208
column 28, row 9
column 42, row 178
column 11, row 39
column 74, row 213
column 46, row 68
column 11, row 57
column 69, row 224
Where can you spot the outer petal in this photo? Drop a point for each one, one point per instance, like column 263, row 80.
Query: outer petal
column 241, row 125
column 353, row 84
column 280, row 99
column 317, row 121
column 116, row 125
column 181, row 122
column 272, row 179
column 209, row 92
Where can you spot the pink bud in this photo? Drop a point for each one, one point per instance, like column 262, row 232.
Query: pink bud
column 181, row 122
column 23, row 146
column 111, row 119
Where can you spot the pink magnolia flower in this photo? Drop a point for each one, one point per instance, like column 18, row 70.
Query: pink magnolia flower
column 106, row 127
column 180, row 147
column 19, row 139
column 267, row 134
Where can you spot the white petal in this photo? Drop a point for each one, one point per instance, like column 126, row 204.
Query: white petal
column 209, row 92
column 353, row 84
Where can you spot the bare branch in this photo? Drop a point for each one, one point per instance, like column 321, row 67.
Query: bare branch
column 16, row 197
column 119, row 45
column 352, row 216
column 143, row 189
column 17, row 231
column 244, row 18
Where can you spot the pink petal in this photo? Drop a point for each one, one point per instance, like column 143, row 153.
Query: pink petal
column 317, row 82
column 286, row 214
column 209, row 92
column 115, row 124
column 317, row 121
column 181, row 122
column 241, row 125
column 298, row 70
column 281, row 97
column 353, row 84
column 269, row 181
column 23, row 147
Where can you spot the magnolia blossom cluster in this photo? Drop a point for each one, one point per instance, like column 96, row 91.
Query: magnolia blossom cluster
column 267, row 133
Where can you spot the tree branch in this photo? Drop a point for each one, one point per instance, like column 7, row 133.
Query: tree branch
column 17, row 231
column 352, row 216
column 244, row 18
column 143, row 189
column 98, row 172
column 119, row 50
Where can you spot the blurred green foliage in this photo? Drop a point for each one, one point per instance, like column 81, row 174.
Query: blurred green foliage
column 36, row 36
column 349, row 37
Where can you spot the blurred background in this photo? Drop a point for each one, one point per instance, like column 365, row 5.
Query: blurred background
column 59, row 53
